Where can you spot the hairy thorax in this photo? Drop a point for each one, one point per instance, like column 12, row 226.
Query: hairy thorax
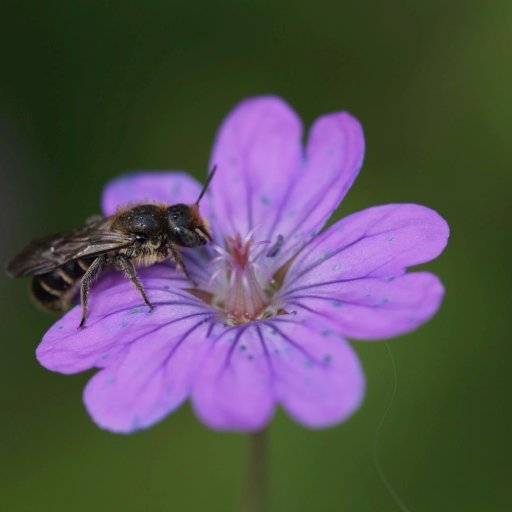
column 148, row 252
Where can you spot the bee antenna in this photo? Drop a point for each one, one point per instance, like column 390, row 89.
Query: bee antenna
column 207, row 183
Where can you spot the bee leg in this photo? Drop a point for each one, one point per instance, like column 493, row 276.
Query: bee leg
column 129, row 270
column 88, row 278
column 180, row 264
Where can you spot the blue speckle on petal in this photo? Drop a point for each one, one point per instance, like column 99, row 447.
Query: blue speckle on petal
column 136, row 423
column 265, row 199
column 176, row 189
column 336, row 303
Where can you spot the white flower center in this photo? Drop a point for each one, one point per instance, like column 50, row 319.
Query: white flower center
column 240, row 286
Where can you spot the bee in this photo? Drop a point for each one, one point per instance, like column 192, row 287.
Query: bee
column 135, row 236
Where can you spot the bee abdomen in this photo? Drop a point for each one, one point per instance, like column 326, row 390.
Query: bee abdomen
column 57, row 288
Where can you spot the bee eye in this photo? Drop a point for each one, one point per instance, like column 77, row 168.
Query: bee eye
column 178, row 214
column 187, row 238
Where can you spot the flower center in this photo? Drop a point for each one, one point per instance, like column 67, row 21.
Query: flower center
column 240, row 286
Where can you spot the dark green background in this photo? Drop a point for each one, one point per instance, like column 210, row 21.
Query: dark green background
column 91, row 89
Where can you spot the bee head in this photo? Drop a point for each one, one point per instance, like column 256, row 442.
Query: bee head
column 185, row 225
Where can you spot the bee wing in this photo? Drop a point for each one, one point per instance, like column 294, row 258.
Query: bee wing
column 46, row 254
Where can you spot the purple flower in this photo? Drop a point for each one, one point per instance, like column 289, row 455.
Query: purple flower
column 277, row 299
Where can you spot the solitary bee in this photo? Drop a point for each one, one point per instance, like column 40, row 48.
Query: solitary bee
column 138, row 235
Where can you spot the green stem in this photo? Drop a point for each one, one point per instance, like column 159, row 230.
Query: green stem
column 256, row 488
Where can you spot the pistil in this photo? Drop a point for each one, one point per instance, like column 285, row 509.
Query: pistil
column 246, row 298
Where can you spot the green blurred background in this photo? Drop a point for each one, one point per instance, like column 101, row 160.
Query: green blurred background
column 91, row 89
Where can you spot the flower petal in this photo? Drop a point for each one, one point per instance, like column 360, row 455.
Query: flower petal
column 152, row 378
column 117, row 318
column 315, row 376
column 353, row 272
column 318, row 378
column 233, row 388
column 373, row 308
column 379, row 241
column 266, row 182
column 168, row 187
column 334, row 156
column 257, row 151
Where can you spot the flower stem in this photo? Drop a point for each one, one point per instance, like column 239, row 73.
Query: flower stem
column 256, row 487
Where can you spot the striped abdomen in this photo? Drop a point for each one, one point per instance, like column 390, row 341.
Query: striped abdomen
column 56, row 289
